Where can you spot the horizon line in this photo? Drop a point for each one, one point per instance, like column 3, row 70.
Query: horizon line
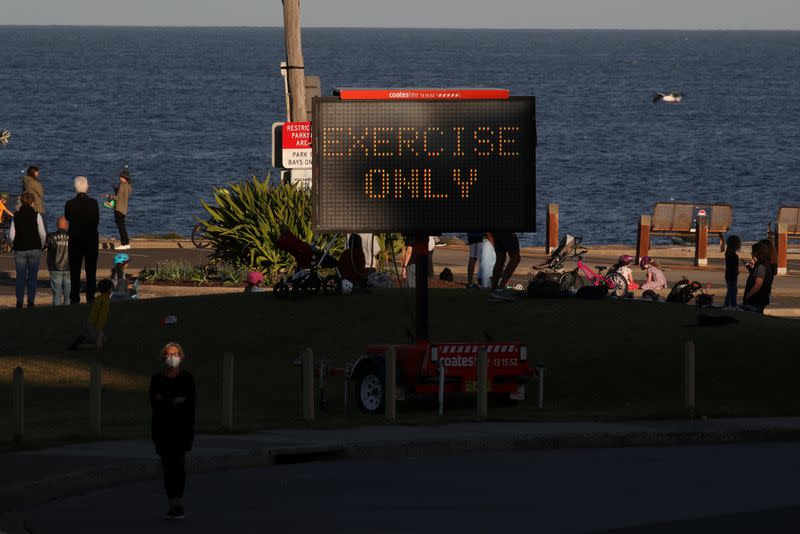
column 461, row 28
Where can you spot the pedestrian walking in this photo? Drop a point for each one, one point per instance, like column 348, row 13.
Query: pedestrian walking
column 122, row 192
column 57, row 244
column 172, row 399
column 27, row 237
column 83, row 215
column 505, row 244
column 475, row 242
column 32, row 185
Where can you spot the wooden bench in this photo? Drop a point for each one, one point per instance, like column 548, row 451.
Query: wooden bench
column 790, row 217
column 676, row 219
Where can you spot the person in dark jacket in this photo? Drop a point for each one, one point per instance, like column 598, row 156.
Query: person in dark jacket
column 758, row 288
column 58, row 262
column 83, row 216
column 172, row 399
column 27, row 237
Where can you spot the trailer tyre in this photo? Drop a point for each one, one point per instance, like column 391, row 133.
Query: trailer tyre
column 370, row 392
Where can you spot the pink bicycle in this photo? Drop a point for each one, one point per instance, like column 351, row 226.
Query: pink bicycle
column 613, row 282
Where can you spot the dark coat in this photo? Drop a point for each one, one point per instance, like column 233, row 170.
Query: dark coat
column 83, row 215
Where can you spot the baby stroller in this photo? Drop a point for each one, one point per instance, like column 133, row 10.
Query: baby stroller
column 553, row 267
column 309, row 258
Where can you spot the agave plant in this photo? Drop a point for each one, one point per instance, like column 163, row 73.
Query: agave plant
column 246, row 219
column 5, row 137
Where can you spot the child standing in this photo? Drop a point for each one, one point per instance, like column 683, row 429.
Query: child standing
column 122, row 191
column 57, row 244
column 732, row 270
column 655, row 276
column 98, row 318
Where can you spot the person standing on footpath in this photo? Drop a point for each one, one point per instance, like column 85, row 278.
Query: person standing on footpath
column 172, row 399
column 58, row 262
column 122, row 191
column 27, row 236
column 83, row 216
column 32, row 185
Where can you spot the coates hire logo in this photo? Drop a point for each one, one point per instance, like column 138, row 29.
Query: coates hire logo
column 459, row 361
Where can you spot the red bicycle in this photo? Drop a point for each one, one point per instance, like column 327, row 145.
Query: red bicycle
column 613, row 282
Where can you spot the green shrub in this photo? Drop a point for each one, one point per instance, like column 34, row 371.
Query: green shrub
column 246, row 219
column 183, row 271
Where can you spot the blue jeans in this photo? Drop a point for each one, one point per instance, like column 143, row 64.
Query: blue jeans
column 730, row 296
column 60, row 283
column 27, row 270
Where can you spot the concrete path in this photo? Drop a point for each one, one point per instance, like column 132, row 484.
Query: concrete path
column 722, row 488
column 33, row 477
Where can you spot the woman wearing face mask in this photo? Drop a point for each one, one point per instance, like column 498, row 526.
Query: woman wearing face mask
column 172, row 398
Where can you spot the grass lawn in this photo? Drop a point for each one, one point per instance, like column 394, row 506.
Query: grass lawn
column 605, row 360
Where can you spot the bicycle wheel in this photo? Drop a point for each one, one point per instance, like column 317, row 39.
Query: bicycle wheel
column 199, row 237
column 617, row 285
column 570, row 281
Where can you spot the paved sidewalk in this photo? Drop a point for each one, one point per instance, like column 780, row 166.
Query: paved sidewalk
column 33, row 477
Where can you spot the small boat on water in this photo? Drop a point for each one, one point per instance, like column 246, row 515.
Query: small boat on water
column 672, row 98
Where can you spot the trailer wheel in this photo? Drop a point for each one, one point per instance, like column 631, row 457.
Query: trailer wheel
column 370, row 392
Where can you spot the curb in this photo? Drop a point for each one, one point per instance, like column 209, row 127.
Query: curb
column 19, row 497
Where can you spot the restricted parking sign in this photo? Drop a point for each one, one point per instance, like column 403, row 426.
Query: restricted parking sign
column 424, row 166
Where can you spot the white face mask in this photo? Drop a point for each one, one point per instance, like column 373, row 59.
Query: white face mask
column 172, row 361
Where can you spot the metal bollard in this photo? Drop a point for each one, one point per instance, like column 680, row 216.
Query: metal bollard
column 689, row 379
column 95, row 399
column 390, row 384
column 540, row 374
column 308, row 385
column 483, row 384
column 227, row 391
column 442, row 370
column 18, row 404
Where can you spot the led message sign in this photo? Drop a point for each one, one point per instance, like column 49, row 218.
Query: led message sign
column 424, row 166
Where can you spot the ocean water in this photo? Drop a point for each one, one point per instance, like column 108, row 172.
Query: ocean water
column 188, row 109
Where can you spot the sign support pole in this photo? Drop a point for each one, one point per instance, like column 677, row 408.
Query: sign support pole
column 294, row 60
column 421, row 282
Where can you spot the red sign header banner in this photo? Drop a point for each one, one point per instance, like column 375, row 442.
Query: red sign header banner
column 421, row 94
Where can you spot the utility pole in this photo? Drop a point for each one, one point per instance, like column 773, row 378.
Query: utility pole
column 294, row 60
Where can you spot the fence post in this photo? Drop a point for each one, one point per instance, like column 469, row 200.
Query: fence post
column 391, row 384
column 643, row 237
column 441, row 369
column 18, row 404
column 227, row 391
column 689, row 379
column 308, row 385
column 483, row 384
column 540, row 372
column 95, row 399
column 551, row 238
column 701, row 241
column 782, row 244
